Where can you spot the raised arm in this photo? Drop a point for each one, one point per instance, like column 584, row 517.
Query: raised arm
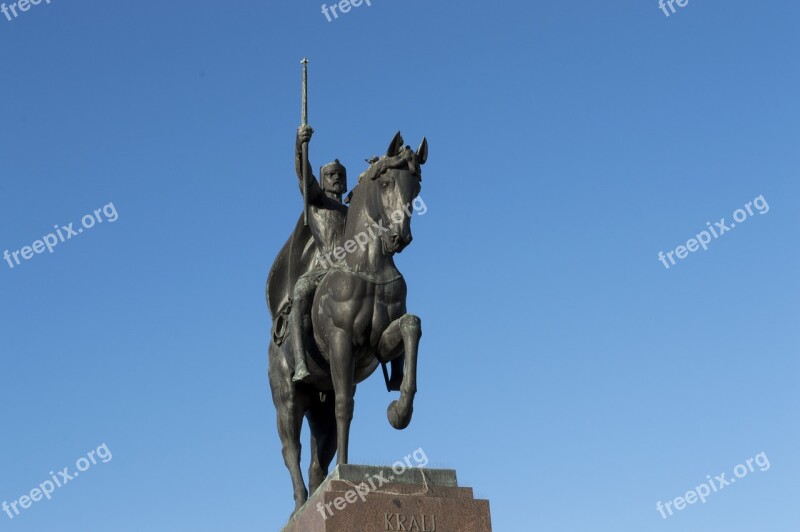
column 304, row 135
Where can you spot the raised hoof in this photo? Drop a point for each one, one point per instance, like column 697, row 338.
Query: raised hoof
column 399, row 417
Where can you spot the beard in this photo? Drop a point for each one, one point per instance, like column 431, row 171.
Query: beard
column 335, row 188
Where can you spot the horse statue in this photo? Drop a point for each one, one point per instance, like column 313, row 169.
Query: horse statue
column 358, row 318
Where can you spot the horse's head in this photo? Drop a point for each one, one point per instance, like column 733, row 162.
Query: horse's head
column 391, row 184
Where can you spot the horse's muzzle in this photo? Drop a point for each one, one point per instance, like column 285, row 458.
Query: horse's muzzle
column 398, row 243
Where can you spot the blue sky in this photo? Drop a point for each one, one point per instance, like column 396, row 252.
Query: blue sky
column 567, row 375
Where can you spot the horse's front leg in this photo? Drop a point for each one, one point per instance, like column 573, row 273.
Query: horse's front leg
column 342, row 375
column 403, row 333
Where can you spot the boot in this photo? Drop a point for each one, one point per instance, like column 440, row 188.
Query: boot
column 296, row 331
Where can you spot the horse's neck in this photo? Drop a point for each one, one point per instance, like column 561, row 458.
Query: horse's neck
column 370, row 260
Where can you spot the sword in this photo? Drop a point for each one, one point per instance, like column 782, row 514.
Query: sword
column 304, row 120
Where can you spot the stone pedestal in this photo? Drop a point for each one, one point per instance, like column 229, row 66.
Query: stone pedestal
column 377, row 499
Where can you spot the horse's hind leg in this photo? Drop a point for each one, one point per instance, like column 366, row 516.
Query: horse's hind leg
column 322, row 422
column 290, row 422
column 404, row 332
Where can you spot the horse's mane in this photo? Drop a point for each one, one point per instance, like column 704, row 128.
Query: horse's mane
column 405, row 160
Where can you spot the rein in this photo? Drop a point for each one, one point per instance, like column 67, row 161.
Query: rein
column 342, row 267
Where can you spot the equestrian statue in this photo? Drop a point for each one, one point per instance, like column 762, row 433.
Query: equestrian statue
column 338, row 302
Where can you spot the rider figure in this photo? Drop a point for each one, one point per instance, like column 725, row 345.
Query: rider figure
column 326, row 219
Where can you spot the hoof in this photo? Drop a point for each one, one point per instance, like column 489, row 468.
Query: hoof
column 299, row 504
column 399, row 417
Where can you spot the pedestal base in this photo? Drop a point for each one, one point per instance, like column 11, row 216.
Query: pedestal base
column 376, row 499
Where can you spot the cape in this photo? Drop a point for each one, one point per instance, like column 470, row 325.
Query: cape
column 295, row 258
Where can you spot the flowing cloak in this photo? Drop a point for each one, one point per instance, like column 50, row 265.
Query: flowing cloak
column 295, row 258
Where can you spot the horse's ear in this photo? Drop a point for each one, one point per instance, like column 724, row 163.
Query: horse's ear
column 395, row 146
column 422, row 151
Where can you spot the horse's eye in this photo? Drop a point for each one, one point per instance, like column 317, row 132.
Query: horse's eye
column 385, row 184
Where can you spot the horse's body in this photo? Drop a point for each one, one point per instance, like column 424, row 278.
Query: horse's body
column 358, row 314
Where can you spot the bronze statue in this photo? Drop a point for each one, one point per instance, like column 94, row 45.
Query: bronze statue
column 335, row 292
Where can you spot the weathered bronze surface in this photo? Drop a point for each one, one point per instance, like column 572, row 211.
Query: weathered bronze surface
column 338, row 304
